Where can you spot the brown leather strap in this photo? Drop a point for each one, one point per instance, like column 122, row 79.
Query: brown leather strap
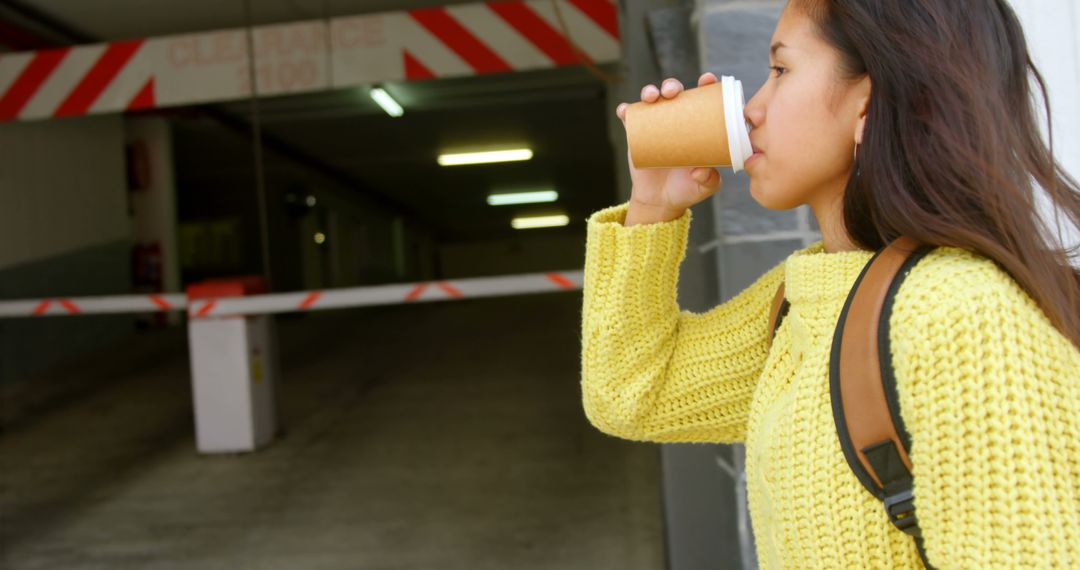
column 866, row 410
column 774, row 314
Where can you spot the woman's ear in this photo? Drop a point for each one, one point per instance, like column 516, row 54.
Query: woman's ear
column 861, row 91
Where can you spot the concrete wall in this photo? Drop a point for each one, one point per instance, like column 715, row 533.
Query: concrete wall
column 703, row 502
column 540, row 250
column 62, row 187
column 690, row 526
column 64, row 231
column 734, row 40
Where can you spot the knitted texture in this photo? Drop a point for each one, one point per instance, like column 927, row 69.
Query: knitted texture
column 989, row 390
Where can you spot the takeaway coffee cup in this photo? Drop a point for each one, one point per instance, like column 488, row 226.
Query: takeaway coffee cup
column 703, row 126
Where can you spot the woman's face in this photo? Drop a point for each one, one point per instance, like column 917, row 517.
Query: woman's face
column 806, row 119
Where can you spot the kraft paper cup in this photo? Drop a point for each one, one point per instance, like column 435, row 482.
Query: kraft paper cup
column 703, row 126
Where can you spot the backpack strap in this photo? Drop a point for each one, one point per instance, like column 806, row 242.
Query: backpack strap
column 779, row 310
column 862, row 383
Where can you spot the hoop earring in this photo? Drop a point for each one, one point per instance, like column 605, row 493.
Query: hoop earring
column 855, row 160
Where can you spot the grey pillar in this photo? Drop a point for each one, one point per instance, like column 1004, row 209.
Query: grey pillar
column 734, row 38
column 700, row 504
column 733, row 240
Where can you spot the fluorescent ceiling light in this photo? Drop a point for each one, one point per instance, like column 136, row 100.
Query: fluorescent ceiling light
column 386, row 102
column 522, row 198
column 485, row 157
column 539, row 222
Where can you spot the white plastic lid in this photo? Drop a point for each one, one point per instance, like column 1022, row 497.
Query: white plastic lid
column 738, row 133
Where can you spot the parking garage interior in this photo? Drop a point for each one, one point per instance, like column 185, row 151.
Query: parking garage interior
column 408, row 435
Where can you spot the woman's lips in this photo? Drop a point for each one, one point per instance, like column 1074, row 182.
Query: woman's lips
column 757, row 153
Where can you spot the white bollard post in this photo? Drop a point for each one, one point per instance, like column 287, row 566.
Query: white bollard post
column 233, row 370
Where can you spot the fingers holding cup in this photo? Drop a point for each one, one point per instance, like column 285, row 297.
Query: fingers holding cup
column 671, row 87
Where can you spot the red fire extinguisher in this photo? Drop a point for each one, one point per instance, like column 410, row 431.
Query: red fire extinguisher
column 146, row 274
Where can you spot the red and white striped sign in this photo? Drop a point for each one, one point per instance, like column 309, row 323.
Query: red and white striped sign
column 299, row 301
column 458, row 40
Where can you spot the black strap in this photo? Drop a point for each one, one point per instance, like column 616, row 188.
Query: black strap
column 897, row 495
column 784, row 307
column 899, row 499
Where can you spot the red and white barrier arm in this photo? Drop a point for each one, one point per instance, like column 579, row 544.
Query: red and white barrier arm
column 301, row 300
column 92, row 305
column 387, row 294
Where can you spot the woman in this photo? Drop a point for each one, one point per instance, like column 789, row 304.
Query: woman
column 888, row 118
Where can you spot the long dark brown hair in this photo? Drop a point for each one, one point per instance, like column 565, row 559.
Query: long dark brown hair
column 952, row 153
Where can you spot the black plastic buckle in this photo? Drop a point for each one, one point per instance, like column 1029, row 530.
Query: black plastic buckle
column 901, row 510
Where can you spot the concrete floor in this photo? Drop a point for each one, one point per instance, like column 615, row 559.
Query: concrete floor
column 441, row 435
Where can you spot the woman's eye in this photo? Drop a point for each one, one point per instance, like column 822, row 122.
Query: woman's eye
column 779, row 70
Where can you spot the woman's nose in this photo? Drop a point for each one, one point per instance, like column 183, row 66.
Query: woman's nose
column 754, row 111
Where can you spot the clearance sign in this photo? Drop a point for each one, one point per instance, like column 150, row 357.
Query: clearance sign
column 429, row 43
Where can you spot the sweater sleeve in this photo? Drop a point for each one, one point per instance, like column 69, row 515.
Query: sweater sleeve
column 990, row 393
column 651, row 372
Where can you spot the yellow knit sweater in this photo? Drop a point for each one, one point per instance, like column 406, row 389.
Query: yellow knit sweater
column 989, row 390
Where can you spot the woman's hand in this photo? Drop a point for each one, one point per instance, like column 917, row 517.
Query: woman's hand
column 664, row 194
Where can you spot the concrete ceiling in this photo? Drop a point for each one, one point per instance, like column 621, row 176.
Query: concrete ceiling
column 561, row 113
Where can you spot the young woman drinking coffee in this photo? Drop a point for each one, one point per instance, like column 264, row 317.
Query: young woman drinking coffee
column 888, row 118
